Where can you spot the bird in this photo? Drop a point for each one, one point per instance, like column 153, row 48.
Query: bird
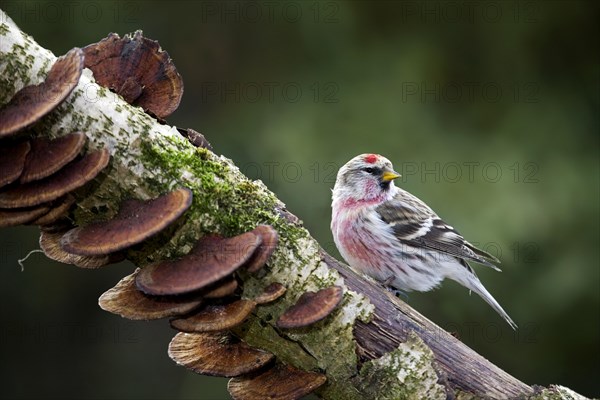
column 395, row 238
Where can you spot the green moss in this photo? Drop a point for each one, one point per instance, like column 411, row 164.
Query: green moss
column 4, row 29
column 233, row 208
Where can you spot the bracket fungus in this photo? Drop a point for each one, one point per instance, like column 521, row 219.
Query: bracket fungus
column 282, row 382
column 195, row 138
column 212, row 258
column 50, row 245
column 12, row 161
column 127, row 301
column 216, row 354
column 215, row 317
column 49, row 155
column 271, row 293
column 58, row 211
column 32, row 102
column 269, row 239
column 225, row 287
column 18, row 216
column 135, row 222
column 136, row 68
column 311, row 307
column 71, row 177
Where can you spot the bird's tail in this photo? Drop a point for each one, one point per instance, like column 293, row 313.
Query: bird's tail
column 473, row 283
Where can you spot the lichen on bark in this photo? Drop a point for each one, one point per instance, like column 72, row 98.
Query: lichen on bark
column 405, row 373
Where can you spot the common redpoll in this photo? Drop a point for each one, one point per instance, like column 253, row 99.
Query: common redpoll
column 392, row 236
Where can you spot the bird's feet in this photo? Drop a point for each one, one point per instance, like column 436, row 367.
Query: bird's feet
column 396, row 292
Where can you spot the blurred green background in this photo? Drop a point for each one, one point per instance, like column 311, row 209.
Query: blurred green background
column 490, row 110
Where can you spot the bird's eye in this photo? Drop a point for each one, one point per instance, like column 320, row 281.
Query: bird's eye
column 369, row 170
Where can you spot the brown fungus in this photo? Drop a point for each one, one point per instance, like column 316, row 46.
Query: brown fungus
column 282, row 382
column 12, row 161
column 212, row 258
column 311, row 307
column 50, row 245
column 271, row 293
column 225, row 287
column 195, row 138
column 57, row 212
column 49, row 155
column 215, row 317
column 269, row 239
column 216, row 354
column 18, row 216
column 127, row 301
column 136, row 68
column 32, row 102
column 135, row 222
column 62, row 226
column 72, row 177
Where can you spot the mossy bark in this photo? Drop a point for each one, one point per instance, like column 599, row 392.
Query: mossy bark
column 148, row 159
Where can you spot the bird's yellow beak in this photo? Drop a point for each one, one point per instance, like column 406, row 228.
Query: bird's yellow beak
column 390, row 175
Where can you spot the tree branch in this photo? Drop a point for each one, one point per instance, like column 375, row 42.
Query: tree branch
column 372, row 346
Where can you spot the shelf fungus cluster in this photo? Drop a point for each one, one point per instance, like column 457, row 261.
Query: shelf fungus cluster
column 201, row 294
column 42, row 179
column 38, row 174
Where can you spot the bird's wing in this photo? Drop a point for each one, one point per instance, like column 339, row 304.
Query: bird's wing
column 415, row 224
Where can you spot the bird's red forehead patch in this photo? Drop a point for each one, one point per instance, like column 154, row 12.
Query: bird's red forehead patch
column 371, row 158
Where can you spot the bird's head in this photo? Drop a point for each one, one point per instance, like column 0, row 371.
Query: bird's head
column 367, row 177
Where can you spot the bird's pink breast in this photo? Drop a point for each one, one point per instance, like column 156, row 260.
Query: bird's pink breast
column 358, row 244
